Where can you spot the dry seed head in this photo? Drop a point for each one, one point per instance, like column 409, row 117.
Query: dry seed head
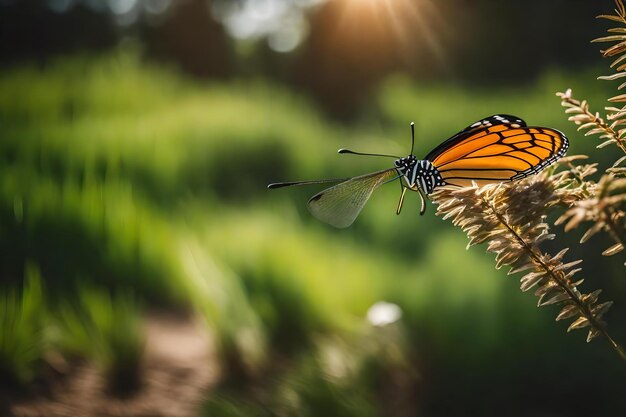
column 510, row 219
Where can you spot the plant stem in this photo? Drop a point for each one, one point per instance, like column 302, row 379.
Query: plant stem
column 598, row 121
column 614, row 230
column 559, row 278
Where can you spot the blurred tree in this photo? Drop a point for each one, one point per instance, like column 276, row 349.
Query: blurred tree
column 191, row 38
column 515, row 41
column 30, row 30
column 345, row 55
column 352, row 45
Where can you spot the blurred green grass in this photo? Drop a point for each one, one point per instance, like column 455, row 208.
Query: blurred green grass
column 22, row 326
column 118, row 177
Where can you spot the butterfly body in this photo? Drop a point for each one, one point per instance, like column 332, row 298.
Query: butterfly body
column 495, row 149
column 418, row 173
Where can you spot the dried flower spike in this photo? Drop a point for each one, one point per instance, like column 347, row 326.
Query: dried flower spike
column 593, row 123
column 510, row 219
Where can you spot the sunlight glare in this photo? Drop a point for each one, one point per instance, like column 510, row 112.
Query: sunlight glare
column 412, row 24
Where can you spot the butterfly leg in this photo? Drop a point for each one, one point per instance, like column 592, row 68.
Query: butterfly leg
column 423, row 199
column 401, row 199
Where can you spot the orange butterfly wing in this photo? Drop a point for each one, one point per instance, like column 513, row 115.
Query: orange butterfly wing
column 502, row 152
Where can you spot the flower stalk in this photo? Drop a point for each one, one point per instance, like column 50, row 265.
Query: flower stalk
column 510, row 219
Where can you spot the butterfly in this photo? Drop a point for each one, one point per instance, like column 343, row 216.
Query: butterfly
column 494, row 149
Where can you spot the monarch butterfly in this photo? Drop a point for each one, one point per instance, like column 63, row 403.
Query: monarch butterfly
column 497, row 148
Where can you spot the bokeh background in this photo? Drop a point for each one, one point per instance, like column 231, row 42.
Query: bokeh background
column 146, row 270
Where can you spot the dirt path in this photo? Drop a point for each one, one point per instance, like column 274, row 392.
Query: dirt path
column 179, row 369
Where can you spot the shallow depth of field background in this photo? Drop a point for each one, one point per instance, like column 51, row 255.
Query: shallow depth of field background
column 136, row 141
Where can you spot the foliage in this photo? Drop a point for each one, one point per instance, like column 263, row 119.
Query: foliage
column 334, row 378
column 118, row 181
column 22, row 326
column 106, row 328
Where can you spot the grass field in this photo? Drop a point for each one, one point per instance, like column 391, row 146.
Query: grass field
column 126, row 188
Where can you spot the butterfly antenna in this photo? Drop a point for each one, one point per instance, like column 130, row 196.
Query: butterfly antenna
column 366, row 154
column 412, row 137
column 291, row 183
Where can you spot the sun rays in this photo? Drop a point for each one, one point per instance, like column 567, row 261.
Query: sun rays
column 410, row 26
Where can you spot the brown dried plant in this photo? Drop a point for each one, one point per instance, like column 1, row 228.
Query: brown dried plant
column 605, row 208
column 511, row 217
